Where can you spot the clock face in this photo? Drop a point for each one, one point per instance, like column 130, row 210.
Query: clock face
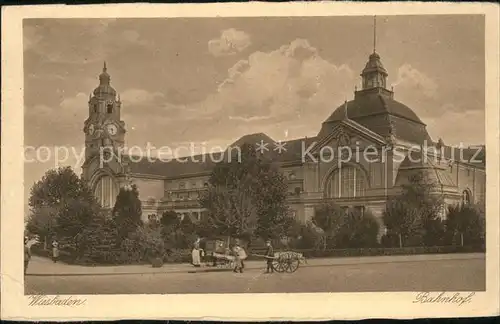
column 91, row 129
column 112, row 129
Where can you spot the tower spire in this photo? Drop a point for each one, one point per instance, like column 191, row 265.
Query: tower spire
column 104, row 69
column 374, row 33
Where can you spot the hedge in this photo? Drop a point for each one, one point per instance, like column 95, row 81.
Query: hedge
column 310, row 253
column 391, row 251
column 114, row 257
column 184, row 255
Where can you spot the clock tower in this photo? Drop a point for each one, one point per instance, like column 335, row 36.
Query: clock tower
column 104, row 134
column 104, row 130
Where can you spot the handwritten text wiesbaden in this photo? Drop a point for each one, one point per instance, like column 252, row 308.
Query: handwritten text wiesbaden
column 40, row 300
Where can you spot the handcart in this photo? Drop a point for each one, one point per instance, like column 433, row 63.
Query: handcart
column 284, row 261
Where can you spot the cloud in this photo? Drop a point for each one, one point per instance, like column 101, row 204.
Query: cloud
column 73, row 105
column 58, row 124
column 470, row 122
column 409, row 76
column 60, row 49
column 31, row 37
column 249, row 119
column 290, row 86
column 133, row 37
column 140, row 97
column 282, row 83
column 230, row 42
column 89, row 40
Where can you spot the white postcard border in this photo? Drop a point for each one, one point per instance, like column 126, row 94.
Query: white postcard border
column 228, row 306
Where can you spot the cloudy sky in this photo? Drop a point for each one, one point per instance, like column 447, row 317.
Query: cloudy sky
column 215, row 79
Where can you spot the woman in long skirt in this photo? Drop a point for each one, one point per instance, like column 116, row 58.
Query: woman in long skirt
column 55, row 251
column 195, row 254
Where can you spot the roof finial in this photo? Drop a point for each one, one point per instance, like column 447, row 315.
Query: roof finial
column 104, row 69
column 374, row 33
column 345, row 110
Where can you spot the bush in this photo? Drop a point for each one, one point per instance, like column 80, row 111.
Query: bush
column 178, row 256
column 389, row 240
column 151, row 241
column 97, row 244
column 357, row 231
column 465, row 224
column 311, row 237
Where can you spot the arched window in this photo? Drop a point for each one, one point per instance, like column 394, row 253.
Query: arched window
column 105, row 191
column 346, row 182
column 466, row 197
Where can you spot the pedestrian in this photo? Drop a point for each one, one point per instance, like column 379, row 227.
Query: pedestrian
column 269, row 257
column 239, row 255
column 196, row 255
column 27, row 254
column 55, row 250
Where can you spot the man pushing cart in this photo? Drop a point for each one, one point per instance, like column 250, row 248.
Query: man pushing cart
column 269, row 257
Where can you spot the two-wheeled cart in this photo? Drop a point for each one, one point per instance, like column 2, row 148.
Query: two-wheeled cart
column 283, row 261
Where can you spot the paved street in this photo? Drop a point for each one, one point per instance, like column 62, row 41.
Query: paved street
column 449, row 274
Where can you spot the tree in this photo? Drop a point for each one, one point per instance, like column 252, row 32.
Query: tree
column 330, row 218
column 246, row 197
column 127, row 212
column 273, row 214
column 465, row 224
column 61, row 203
column 327, row 218
column 187, row 225
column 413, row 215
column 186, row 233
column 169, row 219
column 231, row 211
column 311, row 237
column 357, row 231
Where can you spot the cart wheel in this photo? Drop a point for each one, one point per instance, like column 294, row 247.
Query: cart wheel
column 292, row 264
column 278, row 264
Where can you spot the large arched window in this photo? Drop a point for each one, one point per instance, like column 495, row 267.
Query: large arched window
column 105, row 191
column 346, row 182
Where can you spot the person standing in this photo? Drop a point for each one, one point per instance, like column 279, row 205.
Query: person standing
column 55, row 251
column 269, row 257
column 196, row 255
column 27, row 254
column 239, row 255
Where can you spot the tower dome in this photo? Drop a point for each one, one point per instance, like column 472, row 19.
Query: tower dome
column 374, row 107
column 104, row 90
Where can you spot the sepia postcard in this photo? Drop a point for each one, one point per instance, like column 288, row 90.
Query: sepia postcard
column 291, row 161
